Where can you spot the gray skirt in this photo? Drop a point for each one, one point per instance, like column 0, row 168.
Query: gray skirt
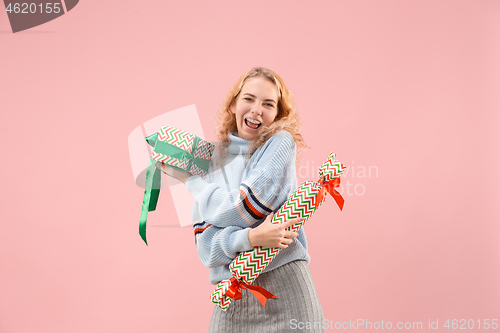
column 295, row 307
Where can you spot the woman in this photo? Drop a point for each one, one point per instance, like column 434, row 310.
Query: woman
column 251, row 175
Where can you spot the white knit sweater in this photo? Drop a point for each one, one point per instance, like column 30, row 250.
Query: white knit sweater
column 223, row 213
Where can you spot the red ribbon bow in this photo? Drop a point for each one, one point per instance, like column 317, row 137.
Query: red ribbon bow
column 329, row 187
column 235, row 291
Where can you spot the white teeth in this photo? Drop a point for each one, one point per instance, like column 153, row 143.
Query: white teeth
column 253, row 121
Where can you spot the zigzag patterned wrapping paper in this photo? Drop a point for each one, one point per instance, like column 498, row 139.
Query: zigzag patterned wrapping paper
column 302, row 203
column 180, row 149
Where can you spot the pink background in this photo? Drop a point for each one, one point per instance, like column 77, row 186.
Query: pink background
column 410, row 88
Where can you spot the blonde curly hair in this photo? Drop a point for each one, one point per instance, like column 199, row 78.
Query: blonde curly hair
column 286, row 119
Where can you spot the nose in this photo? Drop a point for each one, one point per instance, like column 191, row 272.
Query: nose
column 257, row 109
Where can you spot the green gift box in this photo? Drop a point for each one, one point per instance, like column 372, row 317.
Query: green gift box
column 180, row 149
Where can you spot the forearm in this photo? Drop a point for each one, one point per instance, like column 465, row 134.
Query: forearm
column 243, row 206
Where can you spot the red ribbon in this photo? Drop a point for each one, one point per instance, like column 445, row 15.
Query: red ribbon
column 329, row 187
column 235, row 291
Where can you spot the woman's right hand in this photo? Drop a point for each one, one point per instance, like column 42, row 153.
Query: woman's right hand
column 173, row 172
column 270, row 235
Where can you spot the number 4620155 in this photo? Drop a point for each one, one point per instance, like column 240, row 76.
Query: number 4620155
column 463, row 324
column 31, row 8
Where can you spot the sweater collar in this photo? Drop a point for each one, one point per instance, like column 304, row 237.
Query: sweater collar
column 238, row 146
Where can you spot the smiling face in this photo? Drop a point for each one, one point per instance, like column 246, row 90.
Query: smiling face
column 256, row 105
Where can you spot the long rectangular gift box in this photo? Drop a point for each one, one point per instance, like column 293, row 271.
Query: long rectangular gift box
column 302, row 203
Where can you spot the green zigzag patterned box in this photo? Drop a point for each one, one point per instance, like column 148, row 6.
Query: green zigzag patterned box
column 180, row 149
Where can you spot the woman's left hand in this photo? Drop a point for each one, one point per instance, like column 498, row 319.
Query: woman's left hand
column 173, row 172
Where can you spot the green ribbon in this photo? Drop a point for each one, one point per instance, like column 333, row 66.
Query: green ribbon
column 153, row 175
column 151, row 194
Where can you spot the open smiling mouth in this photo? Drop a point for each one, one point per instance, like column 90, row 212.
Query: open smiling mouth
column 254, row 124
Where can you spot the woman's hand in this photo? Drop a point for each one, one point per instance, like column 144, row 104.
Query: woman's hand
column 269, row 235
column 173, row 172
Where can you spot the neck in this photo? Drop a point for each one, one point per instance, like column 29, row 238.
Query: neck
column 238, row 145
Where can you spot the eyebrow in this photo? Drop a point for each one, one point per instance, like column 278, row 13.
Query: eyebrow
column 272, row 100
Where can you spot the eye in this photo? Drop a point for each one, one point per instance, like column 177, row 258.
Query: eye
column 247, row 98
column 269, row 104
